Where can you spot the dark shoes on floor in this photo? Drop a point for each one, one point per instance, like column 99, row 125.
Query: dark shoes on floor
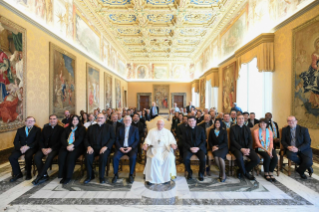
column 302, row 174
column 28, row 177
column 249, row 176
column 310, row 170
column 87, row 180
column 102, row 180
column 15, row 177
column 201, row 177
column 130, row 179
column 40, row 180
column 114, row 180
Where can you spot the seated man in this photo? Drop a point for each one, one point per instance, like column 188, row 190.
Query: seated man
column 114, row 122
column 160, row 165
column 98, row 141
column 91, row 121
column 246, row 122
column 25, row 143
column 194, row 143
column 206, row 123
column 127, row 141
column 252, row 121
column 227, row 121
column 296, row 141
column 49, row 144
column 233, row 115
column 241, row 145
column 179, row 135
column 273, row 126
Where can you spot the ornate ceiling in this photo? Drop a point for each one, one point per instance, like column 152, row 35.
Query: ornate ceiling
column 160, row 29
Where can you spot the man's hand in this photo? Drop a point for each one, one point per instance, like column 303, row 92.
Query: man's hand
column 215, row 148
column 144, row 147
column 103, row 149
column 128, row 149
column 295, row 149
column 90, row 150
column 122, row 150
column 245, row 151
column 174, row 146
column 45, row 151
column 70, row 148
column 23, row 149
column 194, row 149
column 292, row 149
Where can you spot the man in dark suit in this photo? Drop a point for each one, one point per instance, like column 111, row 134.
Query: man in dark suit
column 127, row 141
column 114, row 122
column 146, row 115
column 67, row 118
column 199, row 117
column 141, row 130
column 49, row 146
column 206, row 123
column 274, row 128
column 233, row 117
column 98, row 141
column 181, row 127
column 246, row 117
column 242, row 145
column 142, row 119
column 194, row 143
column 25, row 143
column 154, row 111
column 252, row 121
column 296, row 141
column 189, row 108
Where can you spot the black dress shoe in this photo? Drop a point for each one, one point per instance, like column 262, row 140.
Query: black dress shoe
column 239, row 175
column 36, row 181
column 102, row 180
column 15, row 177
column 44, row 179
column 62, row 181
column 310, row 170
column 114, row 180
column 149, row 183
column 249, row 176
column 87, row 180
column 130, row 179
column 302, row 174
column 200, row 178
column 189, row 176
column 28, row 177
column 66, row 181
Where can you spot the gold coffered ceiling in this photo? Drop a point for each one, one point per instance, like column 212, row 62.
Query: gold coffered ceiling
column 168, row 29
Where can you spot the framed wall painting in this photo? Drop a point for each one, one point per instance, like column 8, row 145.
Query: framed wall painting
column 161, row 97
column 13, row 66
column 92, row 88
column 228, row 87
column 62, row 81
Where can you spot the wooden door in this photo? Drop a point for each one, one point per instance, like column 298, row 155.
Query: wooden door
column 179, row 99
column 144, row 102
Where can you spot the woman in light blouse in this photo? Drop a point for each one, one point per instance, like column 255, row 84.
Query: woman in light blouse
column 264, row 147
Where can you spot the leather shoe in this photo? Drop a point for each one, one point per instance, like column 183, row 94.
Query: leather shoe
column 310, row 170
column 130, row 179
column 44, row 178
column 249, row 176
column 189, row 176
column 15, row 177
column 87, row 180
column 114, row 180
column 36, row 181
column 102, row 180
column 66, row 181
column 200, row 178
column 62, row 181
column 302, row 174
column 149, row 183
column 239, row 175
column 28, row 177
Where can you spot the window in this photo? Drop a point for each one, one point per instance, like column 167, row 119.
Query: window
column 211, row 95
column 195, row 98
column 254, row 89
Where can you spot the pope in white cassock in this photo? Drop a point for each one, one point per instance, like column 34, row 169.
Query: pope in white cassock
column 160, row 165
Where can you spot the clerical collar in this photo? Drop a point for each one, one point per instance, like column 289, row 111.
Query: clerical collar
column 100, row 124
column 240, row 126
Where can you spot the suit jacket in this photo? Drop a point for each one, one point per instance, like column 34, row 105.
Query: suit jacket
column 118, row 125
column 175, row 122
column 140, row 127
column 21, row 138
column 151, row 112
column 189, row 108
column 79, row 135
column 180, row 131
column 231, row 124
column 236, row 142
column 107, row 136
column 221, row 141
column 50, row 138
column 199, row 120
column 133, row 138
column 269, row 125
column 200, row 139
column 303, row 140
column 256, row 121
column 203, row 125
column 66, row 121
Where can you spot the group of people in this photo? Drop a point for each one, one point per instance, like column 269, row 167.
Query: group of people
column 122, row 132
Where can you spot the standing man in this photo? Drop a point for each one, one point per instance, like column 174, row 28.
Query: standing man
column 67, row 118
column 194, row 143
column 189, row 107
column 154, row 111
column 296, row 141
column 273, row 126
column 25, row 143
column 98, row 141
column 49, row 144
column 241, row 145
column 127, row 141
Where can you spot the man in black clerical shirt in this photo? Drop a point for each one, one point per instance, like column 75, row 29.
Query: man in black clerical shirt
column 114, row 122
column 207, row 122
column 194, row 143
column 98, row 141
column 181, row 127
column 67, row 118
column 25, row 143
column 241, row 145
column 49, row 144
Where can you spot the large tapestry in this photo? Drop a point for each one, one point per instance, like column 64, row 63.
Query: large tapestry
column 202, row 91
column 12, row 75
column 161, row 96
column 92, row 88
column 229, row 87
column 118, row 94
column 305, row 79
column 108, row 90
column 62, row 81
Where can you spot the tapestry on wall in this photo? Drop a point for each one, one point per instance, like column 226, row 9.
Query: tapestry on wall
column 229, row 87
column 161, row 96
column 92, row 88
column 62, row 81
column 118, row 94
column 12, row 75
column 202, row 89
column 108, row 90
column 305, row 79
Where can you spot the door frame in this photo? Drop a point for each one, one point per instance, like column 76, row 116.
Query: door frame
column 143, row 94
column 178, row 94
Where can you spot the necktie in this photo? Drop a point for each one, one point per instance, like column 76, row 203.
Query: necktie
column 27, row 131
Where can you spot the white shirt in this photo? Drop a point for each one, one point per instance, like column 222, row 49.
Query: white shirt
column 127, row 130
column 89, row 123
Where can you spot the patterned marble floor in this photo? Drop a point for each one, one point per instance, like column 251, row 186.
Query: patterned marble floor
column 289, row 193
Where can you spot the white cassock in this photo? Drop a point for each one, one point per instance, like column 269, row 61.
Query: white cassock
column 160, row 164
